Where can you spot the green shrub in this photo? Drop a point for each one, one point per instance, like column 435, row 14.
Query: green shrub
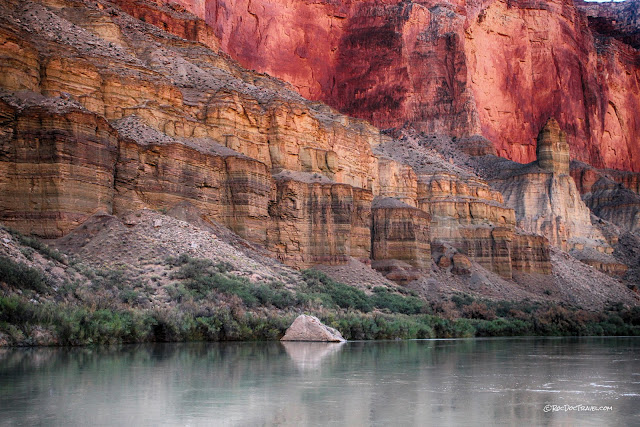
column 22, row 276
column 36, row 244
column 395, row 303
column 502, row 328
column 334, row 293
column 129, row 296
column 109, row 279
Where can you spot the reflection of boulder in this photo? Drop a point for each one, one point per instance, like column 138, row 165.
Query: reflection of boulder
column 309, row 355
column 310, row 328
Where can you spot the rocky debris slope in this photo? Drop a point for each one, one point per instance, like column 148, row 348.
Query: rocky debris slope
column 496, row 68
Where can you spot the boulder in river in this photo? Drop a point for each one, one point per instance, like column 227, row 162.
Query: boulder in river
column 310, row 328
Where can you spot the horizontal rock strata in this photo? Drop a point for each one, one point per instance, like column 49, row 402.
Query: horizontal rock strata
column 111, row 114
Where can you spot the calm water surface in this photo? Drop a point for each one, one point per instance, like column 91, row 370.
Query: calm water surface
column 432, row 382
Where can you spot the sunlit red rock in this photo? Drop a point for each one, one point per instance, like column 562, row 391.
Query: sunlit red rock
column 499, row 68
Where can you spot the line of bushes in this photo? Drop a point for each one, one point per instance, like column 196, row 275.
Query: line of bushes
column 202, row 277
column 77, row 325
column 73, row 325
column 263, row 312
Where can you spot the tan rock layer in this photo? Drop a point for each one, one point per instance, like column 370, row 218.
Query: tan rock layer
column 318, row 222
column 530, row 254
column 400, row 232
column 56, row 168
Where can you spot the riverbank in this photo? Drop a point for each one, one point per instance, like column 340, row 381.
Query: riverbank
column 206, row 302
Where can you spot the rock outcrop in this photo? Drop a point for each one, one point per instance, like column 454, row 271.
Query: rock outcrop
column 57, row 164
column 399, row 232
column 310, row 328
column 545, row 198
column 552, row 150
column 497, row 68
column 547, row 203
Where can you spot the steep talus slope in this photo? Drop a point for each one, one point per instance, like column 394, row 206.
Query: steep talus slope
column 495, row 68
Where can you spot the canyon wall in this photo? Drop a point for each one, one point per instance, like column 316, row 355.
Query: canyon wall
column 496, row 68
column 57, row 165
column 102, row 112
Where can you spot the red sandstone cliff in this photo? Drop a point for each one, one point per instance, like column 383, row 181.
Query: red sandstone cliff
column 497, row 68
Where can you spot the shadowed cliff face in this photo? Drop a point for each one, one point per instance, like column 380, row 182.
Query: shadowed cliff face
column 620, row 20
column 496, row 68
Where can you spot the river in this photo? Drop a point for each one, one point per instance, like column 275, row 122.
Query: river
column 501, row 381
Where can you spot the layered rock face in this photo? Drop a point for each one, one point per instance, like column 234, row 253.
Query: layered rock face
column 496, row 68
column 157, row 171
column 467, row 215
column 530, row 253
column 545, row 198
column 128, row 116
column 57, row 163
column 471, row 217
column 547, row 202
column 400, row 232
column 615, row 203
column 108, row 114
column 316, row 221
column 174, row 18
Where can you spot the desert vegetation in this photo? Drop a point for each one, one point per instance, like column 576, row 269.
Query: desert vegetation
column 207, row 302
